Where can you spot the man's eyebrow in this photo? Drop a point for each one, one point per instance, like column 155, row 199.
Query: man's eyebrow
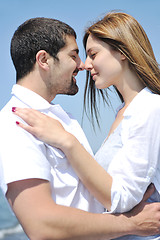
column 75, row 50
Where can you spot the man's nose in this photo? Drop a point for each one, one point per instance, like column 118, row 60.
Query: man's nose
column 81, row 66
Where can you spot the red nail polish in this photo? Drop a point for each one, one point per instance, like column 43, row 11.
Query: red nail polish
column 17, row 122
column 13, row 109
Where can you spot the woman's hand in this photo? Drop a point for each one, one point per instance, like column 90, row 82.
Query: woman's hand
column 42, row 126
column 52, row 132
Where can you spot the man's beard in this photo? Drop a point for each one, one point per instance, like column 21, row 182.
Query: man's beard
column 73, row 89
column 70, row 90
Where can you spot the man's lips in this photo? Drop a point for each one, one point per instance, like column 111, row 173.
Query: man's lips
column 75, row 72
column 74, row 75
column 73, row 78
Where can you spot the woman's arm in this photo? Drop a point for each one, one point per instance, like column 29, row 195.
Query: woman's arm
column 93, row 176
column 49, row 130
column 136, row 165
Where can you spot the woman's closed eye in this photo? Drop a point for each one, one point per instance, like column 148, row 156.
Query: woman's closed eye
column 92, row 55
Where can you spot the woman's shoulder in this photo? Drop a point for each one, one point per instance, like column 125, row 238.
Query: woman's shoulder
column 150, row 101
column 146, row 102
column 144, row 111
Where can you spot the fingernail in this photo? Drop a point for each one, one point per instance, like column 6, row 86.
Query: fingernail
column 13, row 109
column 17, row 122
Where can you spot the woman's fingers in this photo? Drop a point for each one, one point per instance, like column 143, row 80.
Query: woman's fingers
column 30, row 116
column 40, row 125
column 33, row 118
column 28, row 128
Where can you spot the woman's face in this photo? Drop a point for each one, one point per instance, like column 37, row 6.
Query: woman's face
column 104, row 63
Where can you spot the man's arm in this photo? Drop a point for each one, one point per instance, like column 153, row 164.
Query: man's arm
column 42, row 219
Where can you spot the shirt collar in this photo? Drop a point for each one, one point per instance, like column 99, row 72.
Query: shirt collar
column 136, row 101
column 30, row 98
column 35, row 101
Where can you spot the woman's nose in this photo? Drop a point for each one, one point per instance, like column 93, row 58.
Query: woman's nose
column 88, row 65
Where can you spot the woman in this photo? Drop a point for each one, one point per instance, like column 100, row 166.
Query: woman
column 119, row 54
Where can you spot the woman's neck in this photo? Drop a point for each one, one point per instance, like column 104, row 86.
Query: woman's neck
column 129, row 86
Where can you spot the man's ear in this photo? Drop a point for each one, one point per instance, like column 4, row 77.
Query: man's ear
column 42, row 59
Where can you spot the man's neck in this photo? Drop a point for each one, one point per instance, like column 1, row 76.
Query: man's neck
column 35, row 85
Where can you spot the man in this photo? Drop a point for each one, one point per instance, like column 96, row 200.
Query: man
column 43, row 190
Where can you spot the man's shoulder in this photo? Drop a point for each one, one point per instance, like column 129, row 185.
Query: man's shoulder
column 7, row 117
column 6, row 112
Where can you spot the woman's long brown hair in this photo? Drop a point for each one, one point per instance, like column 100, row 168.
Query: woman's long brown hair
column 122, row 32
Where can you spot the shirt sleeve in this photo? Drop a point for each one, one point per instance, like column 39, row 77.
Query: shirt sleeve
column 22, row 156
column 134, row 166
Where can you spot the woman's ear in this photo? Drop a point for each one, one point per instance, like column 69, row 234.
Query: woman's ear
column 42, row 59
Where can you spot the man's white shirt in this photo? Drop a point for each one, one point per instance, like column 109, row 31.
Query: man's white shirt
column 22, row 156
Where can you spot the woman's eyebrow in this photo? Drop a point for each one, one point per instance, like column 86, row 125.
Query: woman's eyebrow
column 88, row 50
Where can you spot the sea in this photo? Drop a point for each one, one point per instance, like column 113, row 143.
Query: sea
column 10, row 228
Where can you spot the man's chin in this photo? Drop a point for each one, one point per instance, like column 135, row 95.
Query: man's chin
column 71, row 92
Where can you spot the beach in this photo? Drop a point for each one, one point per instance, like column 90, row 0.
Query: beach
column 10, row 228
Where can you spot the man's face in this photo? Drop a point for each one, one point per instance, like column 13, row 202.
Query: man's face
column 63, row 72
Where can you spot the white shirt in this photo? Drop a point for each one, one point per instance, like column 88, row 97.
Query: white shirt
column 22, row 156
column 137, row 162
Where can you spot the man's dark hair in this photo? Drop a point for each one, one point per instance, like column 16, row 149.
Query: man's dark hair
column 34, row 35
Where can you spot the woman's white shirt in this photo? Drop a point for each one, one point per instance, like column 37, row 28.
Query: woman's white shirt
column 134, row 158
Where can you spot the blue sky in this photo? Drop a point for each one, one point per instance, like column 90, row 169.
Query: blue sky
column 78, row 14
